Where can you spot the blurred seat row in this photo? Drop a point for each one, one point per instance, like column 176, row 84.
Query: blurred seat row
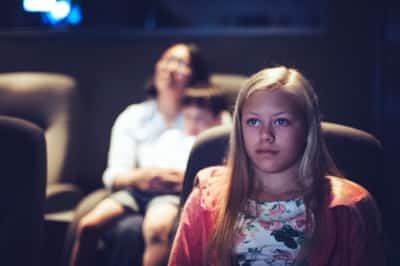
column 50, row 105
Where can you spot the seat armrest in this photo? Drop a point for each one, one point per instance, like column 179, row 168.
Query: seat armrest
column 61, row 197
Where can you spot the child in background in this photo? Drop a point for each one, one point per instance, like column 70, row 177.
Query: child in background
column 202, row 107
column 280, row 200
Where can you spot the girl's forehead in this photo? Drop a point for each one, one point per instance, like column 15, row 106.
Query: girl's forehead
column 273, row 101
column 272, row 96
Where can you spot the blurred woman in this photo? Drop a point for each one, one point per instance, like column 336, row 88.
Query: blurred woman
column 131, row 167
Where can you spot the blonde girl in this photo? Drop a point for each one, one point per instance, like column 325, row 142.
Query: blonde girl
column 280, row 200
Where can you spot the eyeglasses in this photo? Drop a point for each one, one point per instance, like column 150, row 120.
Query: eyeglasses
column 177, row 62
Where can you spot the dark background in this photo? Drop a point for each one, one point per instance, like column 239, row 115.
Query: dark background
column 350, row 50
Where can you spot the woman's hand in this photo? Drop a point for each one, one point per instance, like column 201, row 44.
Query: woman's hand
column 152, row 179
column 162, row 180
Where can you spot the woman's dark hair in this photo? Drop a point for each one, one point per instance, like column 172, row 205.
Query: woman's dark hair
column 198, row 65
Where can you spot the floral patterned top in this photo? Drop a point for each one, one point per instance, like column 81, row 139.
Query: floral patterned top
column 273, row 235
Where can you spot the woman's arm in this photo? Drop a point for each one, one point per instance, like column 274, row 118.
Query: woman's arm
column 122, row 153
column 151, row 179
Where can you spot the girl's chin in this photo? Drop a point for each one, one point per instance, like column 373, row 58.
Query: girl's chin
column 268, row 168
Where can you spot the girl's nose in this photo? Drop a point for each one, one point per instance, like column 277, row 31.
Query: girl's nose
column 267, row 134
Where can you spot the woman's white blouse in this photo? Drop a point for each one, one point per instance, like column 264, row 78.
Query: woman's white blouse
column 134, row 138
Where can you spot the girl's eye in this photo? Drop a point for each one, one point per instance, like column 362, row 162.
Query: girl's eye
column 281, row 122
column 253, row 122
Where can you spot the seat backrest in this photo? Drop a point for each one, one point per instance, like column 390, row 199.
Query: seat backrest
column 357, row 154
column 22, row 191
column 50, row 101
column 230, row 84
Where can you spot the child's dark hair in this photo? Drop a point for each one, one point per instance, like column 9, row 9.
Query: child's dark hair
column 207, row 97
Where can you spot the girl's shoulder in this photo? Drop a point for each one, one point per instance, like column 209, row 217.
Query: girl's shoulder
column 211, row 175
column 345, row 192
column 353, row 203
column 210, row 183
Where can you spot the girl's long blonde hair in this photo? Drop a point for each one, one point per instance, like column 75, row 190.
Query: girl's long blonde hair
column 315, row 164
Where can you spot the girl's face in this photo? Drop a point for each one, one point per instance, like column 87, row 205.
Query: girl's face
column 274, row 132
column 173, row 71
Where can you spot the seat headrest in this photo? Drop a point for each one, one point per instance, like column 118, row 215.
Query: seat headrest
column 357, row 154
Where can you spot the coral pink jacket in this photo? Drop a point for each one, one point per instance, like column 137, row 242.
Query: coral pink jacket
column 353, row 235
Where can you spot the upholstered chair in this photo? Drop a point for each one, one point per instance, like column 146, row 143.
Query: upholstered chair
column 50, row 101
column 357, row 154
column 22, row 191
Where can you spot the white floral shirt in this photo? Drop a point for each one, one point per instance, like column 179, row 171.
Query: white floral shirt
column 273, row 237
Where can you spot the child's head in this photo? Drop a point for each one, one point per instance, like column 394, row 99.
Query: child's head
column 202, row 107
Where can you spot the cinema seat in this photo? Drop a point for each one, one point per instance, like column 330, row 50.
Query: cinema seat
column 357, row 154
column 50, row 101
column 22, row 191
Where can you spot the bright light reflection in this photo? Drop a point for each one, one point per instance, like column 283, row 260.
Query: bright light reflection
column 38, row 5
column 60, row 10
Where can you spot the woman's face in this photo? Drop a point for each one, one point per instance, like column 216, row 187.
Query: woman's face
column 173, row 71
column 274, row 132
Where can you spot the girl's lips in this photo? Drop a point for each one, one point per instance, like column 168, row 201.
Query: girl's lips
column 267, row 151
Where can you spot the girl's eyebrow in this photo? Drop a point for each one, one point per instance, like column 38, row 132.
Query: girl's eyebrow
column 282, row 113
column 276, row 114
column 251, row 113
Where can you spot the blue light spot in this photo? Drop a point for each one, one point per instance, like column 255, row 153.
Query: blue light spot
column 63, row 14
column 75, row 15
